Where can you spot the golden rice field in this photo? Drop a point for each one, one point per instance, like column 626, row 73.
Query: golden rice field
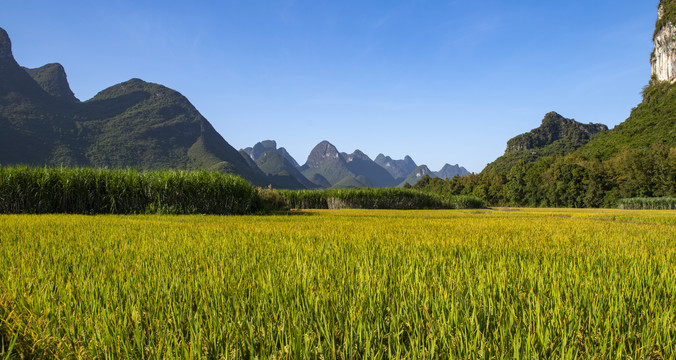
column 350, row 284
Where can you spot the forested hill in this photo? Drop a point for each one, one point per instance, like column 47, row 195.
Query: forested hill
column 591, row 168
column 635, row 159
column 555, row 136
column 133, row 124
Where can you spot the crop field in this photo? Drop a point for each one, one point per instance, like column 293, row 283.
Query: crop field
column 340, row 284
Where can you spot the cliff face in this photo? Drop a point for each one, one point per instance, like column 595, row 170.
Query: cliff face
column 663, row 58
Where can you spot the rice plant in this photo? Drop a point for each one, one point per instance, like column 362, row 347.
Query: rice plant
column 341, row 284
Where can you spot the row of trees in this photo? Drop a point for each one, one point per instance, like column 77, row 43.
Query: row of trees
column 571, row 181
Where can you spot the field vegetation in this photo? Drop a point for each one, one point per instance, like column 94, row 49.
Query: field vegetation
column 648, row 204
column 347, row 284
column 35, row 190
column 377, row 198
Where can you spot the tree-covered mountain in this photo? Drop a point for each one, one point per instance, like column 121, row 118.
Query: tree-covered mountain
column 651, row 122
column 133, row 124
column 277, row 164
column 266, row 145
column 327, row 161
column 283, row 171
column 418, row 174
column 555, row 136
column 399, row 169
column 282, row 151
column 373, row 174
column 52, row 79
column 343, row 170
column 637, row 158
column 350, row 182
column 448, row 171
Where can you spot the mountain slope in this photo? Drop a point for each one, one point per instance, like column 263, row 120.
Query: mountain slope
column 399, row 169
column 274, row 164
column 350, row 182
column 652, row 122
column 282, row 151
column 325, row 160
column 417, row 174
column 52, row 79
column 35, row 128
column 132, row 124
column 555, row 136
column 361, row 165
column 449, row 171
column 260, row 148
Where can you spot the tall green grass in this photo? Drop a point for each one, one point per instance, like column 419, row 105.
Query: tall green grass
column 384, row 198
column 37, row 190
column 648, row 204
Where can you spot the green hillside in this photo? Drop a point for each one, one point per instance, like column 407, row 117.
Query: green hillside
column 360, row 164
column 325, row 160
column 133, row 124
column 555, row 136
column 351, row 182
column 417, row 174
column 274, row 164
column 399, row 169
column 651, row 122
column 319, row 181
column 636, row 159
column 52, row 79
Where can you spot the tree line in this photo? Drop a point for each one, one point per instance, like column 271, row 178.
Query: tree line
column 571, row 181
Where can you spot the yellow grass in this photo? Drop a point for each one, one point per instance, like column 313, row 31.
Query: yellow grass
column 349, row 284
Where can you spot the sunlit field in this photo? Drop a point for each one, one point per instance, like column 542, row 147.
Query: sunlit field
column 349, row 284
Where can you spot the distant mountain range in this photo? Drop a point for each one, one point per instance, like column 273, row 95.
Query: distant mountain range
column 326, row 166
column 148, row 126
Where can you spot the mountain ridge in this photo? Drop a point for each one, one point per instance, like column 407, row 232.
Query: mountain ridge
column 131, row 124
column 556, row 135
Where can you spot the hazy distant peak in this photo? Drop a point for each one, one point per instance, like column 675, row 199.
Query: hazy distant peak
column 399, row 169
column 357, row 154
column 269, row 144
column 322, row 152
column 282, row 151
column 449, row 171
column 262, row 147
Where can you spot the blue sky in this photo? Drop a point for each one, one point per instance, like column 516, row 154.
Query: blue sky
column 442, row 81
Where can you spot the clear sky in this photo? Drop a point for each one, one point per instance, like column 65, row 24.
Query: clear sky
column 442, row 81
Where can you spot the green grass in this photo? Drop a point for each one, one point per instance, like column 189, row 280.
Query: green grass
column 100, row 191
column 35, row 190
